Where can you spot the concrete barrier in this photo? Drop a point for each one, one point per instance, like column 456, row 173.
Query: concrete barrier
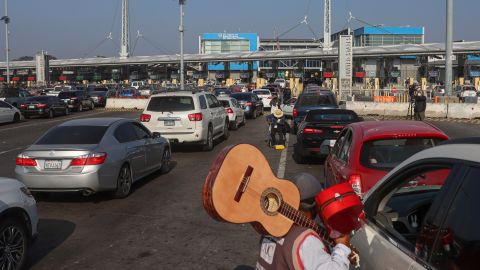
column 434, row 110
column 126, row 103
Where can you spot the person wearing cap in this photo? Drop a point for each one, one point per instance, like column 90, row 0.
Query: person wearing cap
column 277, row 123
column 302, row 248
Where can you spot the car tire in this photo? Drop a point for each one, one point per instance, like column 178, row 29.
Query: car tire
column 208, row 146
column 67, row 111
column 51, row 113
column 166, row 159
column 243, row 121
column 124, row 183
column 92, row 107
column 80, row 107
column 16, row 118
column 226, row 131
column 13, row 233
column 254, row 114
column 297, row 156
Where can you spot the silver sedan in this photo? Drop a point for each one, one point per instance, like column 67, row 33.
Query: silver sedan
column 92, row 155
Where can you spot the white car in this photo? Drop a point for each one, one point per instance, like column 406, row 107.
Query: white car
column 265, row 95
column 280, row 82
column 138, row 84
column 187, row 117
column 18, row 223
column 236, row 115
column 9, row 114
column 424, row 213
column 287, row 107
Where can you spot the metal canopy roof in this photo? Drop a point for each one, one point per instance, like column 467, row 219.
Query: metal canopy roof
column 318, row 53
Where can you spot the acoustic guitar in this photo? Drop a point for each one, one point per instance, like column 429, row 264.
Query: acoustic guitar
column 241, row 188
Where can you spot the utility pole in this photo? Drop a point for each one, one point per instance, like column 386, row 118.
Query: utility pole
column 125, row 39
column 6, row 19
column 181, row 30
column 449, row 49
column 327, row 25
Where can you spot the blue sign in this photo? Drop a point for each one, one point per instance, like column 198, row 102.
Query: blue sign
column 474, row 73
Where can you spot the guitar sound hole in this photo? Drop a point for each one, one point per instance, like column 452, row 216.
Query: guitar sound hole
column 271, row 202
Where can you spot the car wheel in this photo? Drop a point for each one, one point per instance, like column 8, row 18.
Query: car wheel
column 92, row 107
column 243, row 121
column 297, row 156
column 67, row 111
column 13, row 244
column 208, row 146
column 226, row 132
column 124, row 182
column 16, row 118
column 166, row 158
column 254, row 114
column 51, row 114
column 80, row 108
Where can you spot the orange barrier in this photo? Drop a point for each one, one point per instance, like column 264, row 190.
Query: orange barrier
column 384, row 99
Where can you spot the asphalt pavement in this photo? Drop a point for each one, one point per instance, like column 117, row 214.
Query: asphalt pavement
column 162, row 224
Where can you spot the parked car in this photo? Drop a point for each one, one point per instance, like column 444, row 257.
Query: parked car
column 409, row 225
column 319, row 131
column 99, row 98
column 18, row 223
column 187, row 117
column 265, row 95
column 8, row 113
column 365, row 152
column 273, row 88
column 234, row 110
column 44, row 106
column 15, row 96
column 310, row 99
column 129, row 92
column 250, row 103
column 77, row 100
column 287, row 107
column 92, row 155
column 222, row 92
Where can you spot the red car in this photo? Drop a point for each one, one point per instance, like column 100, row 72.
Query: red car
column 367, row 151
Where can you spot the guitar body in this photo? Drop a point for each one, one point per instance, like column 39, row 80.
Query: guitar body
column 241, row 188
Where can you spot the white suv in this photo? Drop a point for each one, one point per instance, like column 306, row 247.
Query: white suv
column 186, row 117
column 236, row 115
column 265, row 95
column 18, row 223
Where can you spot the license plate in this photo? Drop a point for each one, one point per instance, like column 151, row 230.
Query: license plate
column 53, row 164
column 31, row 107
column 332, row 143
column 169, row 123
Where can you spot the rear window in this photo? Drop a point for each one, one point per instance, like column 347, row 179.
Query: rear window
column 66, row 94
column 38, row 98
column 101, row 89
column 244, row 97
column 386, row 154
column 331, row 117
column 225, row 103
column 74, row 135
column 169, row 104
column 314, row 100
column 222, row 91
column 262, row 92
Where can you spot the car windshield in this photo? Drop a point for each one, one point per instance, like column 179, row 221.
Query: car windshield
column 243, row 97
column 66, row 94
column 330, row 117
column 315, row 100
column 225, row 103
column 170, row 104
column 262, row 92
column 73, row 135
column 386, row 154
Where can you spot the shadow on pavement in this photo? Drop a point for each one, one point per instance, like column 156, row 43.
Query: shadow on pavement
column 243, row 267
column 51, row 234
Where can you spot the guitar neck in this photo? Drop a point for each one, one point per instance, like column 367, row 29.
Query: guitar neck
column 301, row 219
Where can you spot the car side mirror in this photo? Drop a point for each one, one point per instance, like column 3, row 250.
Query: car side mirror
column 156, row 135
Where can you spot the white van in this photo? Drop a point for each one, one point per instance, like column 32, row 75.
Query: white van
column 138, row 84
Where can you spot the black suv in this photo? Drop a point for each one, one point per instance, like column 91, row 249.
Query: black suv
column 77, row 100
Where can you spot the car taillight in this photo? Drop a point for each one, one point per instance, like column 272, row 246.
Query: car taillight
column 91, row 159
column 23, row 106
column 312, row 131
column 195, row 117
column 295, row 112
column 25, row 161
column 336, row 127
column 74, row 98
column 145, row 117
column 41, row 106
column 356, row 181
column 270, row 97
column 229, row 110
column 248, row 103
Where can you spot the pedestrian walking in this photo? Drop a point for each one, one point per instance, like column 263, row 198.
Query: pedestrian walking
column 420, row 106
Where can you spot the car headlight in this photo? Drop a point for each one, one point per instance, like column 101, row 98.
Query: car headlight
column 26, row 191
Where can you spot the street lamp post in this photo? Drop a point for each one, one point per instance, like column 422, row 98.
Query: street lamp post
column 6, row 19
column 449, row 49
column 181, row 30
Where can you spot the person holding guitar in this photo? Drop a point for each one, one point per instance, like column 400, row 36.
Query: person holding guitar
column 302, row 248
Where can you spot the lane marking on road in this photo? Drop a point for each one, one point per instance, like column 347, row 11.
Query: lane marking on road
column 6, row 151
column 53, row 121
column 283, row 159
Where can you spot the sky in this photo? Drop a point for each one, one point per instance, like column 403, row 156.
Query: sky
column 78, row 28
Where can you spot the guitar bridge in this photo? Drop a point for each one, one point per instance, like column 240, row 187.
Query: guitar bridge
column 243, row 184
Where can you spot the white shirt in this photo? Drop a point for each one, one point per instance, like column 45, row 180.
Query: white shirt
column 315, row 257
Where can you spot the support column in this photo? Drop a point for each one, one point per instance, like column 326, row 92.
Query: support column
column 125, row 40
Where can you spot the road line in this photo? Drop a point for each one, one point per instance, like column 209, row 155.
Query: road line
column 6, row 151
column 283, row 159
column 53, row 121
